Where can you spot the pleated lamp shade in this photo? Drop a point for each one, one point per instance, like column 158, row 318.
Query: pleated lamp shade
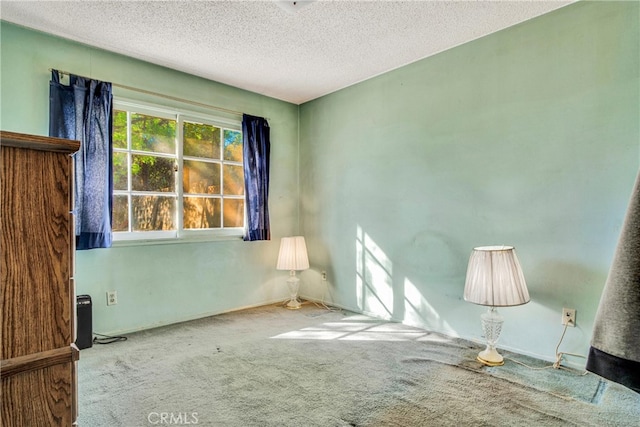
column 495, row 278
column 293, row 254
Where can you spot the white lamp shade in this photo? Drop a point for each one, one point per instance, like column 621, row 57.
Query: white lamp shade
column 494, row 278
column 293, row 254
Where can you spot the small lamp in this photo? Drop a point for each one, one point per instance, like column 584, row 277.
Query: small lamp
column 494, row 279
column 292, row 257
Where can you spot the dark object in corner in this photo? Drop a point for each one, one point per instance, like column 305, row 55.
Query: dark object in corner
column 615, row 341
column 622, row 371
column 85, row 322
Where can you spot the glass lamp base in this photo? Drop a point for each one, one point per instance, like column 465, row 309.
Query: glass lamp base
column 491, row 326
column 490, row 357
column 294, row 285
column 294, row 304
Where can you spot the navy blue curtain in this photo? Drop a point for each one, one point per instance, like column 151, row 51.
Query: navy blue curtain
column 256, row 149
column 82, row 111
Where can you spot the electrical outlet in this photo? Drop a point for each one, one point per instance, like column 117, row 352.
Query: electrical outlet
column 569, row 316
column 112, row 297
column 324, row 275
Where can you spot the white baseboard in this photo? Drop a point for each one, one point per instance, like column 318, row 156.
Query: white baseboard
column 188, row 318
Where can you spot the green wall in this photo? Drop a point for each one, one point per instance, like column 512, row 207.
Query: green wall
column 159, row 284
column 527, row 137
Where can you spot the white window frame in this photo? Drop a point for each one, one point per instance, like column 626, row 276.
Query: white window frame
column 180, row 115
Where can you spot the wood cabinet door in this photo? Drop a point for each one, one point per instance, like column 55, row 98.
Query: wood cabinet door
column 37, row 304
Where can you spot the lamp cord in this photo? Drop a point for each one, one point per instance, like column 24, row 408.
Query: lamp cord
column 322, row 304
column 559, row 355
column 106, row 339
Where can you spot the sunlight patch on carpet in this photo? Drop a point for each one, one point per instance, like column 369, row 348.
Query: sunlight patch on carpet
column 361, row 328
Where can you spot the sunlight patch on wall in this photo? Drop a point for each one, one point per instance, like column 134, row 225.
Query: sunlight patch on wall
column 418, row 311
column 374, row 284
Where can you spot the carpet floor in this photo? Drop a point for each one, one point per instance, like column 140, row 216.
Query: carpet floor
column 269, row 366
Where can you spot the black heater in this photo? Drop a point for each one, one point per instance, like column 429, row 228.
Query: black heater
column 84, row 322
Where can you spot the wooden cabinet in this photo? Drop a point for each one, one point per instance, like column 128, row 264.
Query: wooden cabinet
column 38, row 368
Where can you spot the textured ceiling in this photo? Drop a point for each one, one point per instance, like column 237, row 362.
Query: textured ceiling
column 294, row 52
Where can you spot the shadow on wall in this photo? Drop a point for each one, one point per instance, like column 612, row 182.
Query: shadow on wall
column 582, row 291
column 376, row 294
column 584, row 286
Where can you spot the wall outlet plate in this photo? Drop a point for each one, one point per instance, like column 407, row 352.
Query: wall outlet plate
column 569, row 316
column 112, row 297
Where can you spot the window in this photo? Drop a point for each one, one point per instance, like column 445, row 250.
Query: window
column 175, row 174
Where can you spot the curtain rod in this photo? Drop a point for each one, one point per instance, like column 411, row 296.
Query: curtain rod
column 148, row 92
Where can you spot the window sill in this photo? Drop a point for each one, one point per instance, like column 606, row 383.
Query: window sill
column 176, row 241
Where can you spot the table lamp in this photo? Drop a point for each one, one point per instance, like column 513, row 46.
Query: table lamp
column 494, row 279
column 293, row 257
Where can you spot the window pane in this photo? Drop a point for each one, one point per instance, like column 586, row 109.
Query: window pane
column 146, row 153
column 201, row 212
column 153, row 213
column 233, row 180
column 120, row 169
column 151, row 173
column 153, row 134
column 232, row 145
column 120, row 213
column 200, row 177
column 201, row 140
column 233, row 213
column 120, row 129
